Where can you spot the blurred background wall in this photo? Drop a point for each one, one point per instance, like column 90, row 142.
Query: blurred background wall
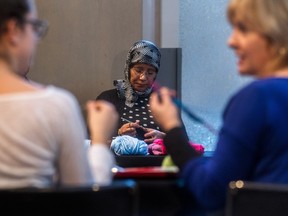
column 87, row 43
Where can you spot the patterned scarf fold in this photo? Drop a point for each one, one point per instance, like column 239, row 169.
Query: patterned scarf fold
column 141, row 52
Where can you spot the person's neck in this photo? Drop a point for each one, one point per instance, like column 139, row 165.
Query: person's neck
column 10, row 81
column 282, row 73
column 5, row 68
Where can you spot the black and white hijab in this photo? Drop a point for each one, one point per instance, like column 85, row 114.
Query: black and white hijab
column 142, row 51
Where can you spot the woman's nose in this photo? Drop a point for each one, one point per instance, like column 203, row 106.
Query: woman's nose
column 143, row 75
column 232, row 41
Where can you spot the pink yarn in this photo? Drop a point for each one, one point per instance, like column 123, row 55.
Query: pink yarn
column 198, row 147
column 158, row 147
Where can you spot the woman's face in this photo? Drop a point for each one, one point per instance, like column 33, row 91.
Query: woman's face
column 142, row 76
column 28, row 40
column 252, row 49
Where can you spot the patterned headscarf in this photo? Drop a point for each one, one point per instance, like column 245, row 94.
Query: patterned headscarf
column 144, row 52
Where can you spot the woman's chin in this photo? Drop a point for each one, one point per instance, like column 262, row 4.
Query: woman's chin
column 140, row 89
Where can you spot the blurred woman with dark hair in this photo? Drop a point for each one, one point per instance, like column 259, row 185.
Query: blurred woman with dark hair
column 42, row 132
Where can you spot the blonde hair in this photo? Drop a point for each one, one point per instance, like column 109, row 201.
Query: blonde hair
column 268, row 18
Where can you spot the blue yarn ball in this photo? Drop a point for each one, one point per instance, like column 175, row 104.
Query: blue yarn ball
column 127, row 145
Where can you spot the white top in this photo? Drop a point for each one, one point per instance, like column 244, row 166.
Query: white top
column 42, row 137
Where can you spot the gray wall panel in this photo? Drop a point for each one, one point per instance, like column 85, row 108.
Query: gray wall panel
column 83, row 51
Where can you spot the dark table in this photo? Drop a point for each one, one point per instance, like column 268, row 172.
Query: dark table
column 159, row 195
column 162, row 194
column 139, row 160
column 145, row 160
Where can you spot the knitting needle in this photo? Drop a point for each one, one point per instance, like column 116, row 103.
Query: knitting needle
column 193, row 116
column 187, row 111
column 141, row 127
column 127, row 120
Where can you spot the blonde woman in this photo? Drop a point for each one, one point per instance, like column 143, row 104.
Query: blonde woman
column 253, row 141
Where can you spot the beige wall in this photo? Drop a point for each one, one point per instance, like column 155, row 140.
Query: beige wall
column 87, row 43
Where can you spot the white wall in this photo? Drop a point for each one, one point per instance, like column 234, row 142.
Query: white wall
column 169, row 23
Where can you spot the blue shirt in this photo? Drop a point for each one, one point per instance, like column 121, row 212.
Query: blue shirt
column 252, row 144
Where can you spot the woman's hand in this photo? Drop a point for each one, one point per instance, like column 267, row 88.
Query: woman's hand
column 153, row 134
column 102, row 118
column 129, row 128
column 164, row 111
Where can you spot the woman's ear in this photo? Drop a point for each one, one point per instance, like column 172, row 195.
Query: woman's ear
column 13, row 32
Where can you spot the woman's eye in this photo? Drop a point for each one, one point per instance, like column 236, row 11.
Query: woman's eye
column 242, row 27
column 138, row 70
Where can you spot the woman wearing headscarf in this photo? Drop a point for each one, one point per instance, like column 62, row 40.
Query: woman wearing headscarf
column 131, row 95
